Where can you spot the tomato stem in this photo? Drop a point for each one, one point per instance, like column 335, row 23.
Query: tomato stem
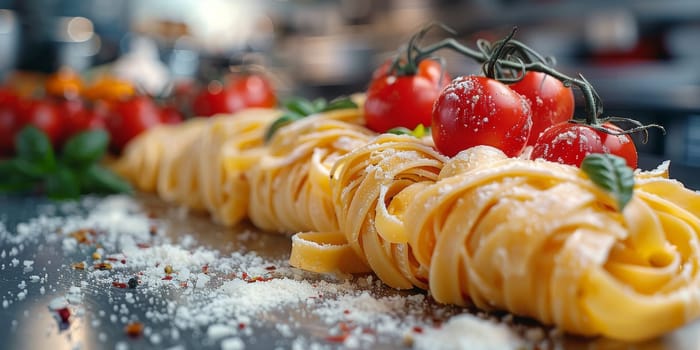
column 508, row 60
column 519, row 58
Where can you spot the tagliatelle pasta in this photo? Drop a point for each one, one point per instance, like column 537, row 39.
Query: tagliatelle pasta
column 536, row 238
column 289, row 184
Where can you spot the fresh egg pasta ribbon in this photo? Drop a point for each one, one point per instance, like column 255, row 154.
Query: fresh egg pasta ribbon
column 371, row 188
column 290, row 189
column 539, row 239
column 201, row 163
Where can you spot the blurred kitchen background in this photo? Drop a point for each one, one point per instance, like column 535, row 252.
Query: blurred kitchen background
column 643, row 56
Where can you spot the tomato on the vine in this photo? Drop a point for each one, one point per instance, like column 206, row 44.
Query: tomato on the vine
column 131, row 117
column 570, row 143
column 476, row 110
column 550, row 101
column 396, row 100
column 240, row 92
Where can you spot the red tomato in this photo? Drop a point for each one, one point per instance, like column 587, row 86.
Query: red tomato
column 131, row 117
column 570, row 143
column 255, row 90
column 44, row 115
column 239, row 93
column 550, row 101
column 170, row 115
column 9, row 120
column 403, row 100
column 83, row 120
column 475, row 110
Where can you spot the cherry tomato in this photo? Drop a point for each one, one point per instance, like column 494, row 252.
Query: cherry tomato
column 238, row 93
column 255, row 90
column 9, row 120
column 170, row 115
column 570, row 143
column 131, row 117
column 475, row 110
column 403, row 100
column 44, row 115
column 84, row 120
column 550, row 101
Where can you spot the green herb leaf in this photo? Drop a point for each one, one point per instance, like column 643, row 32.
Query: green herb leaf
column 300, row 106
column 62, row 184
column 280, row 122
column 12, row 179
column 612, row 174
column 86, row 147
column 400, row 130
column 340, row 103
column 98, row 179
column 320, row 104
column 419, row 132
column 34, row 148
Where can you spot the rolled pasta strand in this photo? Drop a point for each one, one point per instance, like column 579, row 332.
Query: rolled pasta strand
column 147, row 156
column 539, row 239
column 371, row 188
column 290, row 189
column 227, row 148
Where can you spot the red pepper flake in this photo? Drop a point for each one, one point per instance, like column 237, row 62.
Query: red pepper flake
column 111, row 258
column 123, row 261
column 103, row 266
column 143, row 245
column 82, row 235
column 205, row 269
column 78, row 266
column 183, row 284
column 346, row 311
column 258, row 279
column 64, row 314
column 417, row 329
column 368, row 331
column 344, row 327
column 244, row 276
column 134, row 329
column 241, row 325
column 271, row 268
column 118, row 284
column 167, row 278
column 340, row 338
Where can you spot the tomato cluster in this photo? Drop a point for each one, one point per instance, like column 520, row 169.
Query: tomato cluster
column 533, row 109
column 64, row 105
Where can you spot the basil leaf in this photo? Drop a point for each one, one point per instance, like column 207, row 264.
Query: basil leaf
column 419, row 132
column 612, row 174
column 280, row 122
column 400, row 130
column 300, row 106
column 320, row 104
column 99, row 179
column 86, row 147
column 62, row 184
column 340, row 103
column 34, row 147
column 30, row 170
column 12, row 179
